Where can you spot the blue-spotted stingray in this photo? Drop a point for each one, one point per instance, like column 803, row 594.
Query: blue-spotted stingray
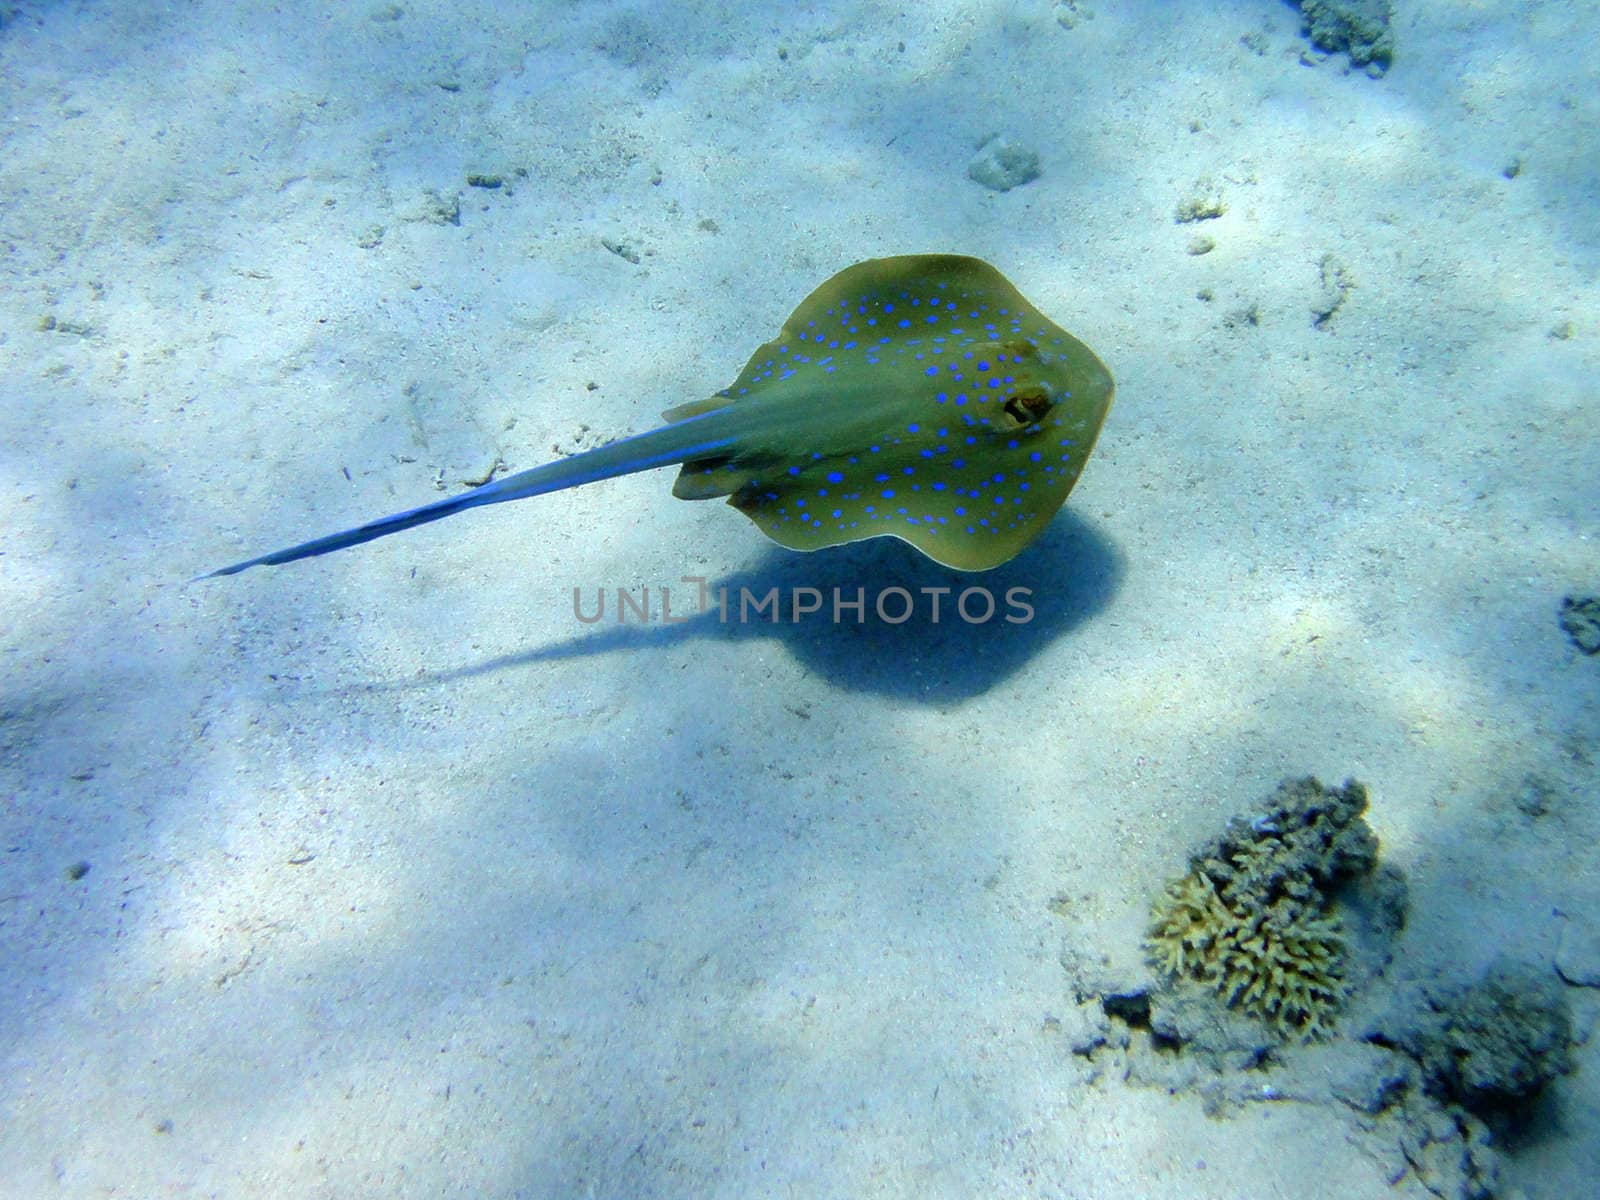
column 918, row 397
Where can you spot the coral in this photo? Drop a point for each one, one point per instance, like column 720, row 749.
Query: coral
column 1492, row 1045
column 1358, row 27
column 1199, row 208
column 1252, row 917
column 1283, row 962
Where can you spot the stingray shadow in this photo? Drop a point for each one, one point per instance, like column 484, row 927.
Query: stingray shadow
column 919, row 634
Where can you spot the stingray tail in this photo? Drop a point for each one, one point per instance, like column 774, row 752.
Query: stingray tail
column 382, row 527
column 662, row 447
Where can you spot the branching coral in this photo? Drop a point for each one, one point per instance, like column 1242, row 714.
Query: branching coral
column 1283, row 963
column 1251, row 919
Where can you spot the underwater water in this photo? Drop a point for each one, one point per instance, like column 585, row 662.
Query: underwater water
column 598, row 844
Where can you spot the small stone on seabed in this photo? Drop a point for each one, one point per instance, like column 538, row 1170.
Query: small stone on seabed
column 1001, row 164
column 1578, row 954
column 1580, row 618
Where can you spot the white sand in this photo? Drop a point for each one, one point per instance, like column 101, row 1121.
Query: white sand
column 403, row 882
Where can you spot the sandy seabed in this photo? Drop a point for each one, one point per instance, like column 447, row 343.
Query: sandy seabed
column 385, row 875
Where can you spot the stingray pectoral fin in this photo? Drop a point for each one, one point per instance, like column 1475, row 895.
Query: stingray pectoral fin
column 662, row 447
column 711, row 479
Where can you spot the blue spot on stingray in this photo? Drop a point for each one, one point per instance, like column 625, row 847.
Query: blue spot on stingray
column 888, row 493
column 794, row 470
column 835, row 477
column 1035, row 456
column 939, row 487
column 838, row 512
column 931, row 371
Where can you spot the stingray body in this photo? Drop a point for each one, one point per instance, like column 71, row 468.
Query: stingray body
column 918, row 397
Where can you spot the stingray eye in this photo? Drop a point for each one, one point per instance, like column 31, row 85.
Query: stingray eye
column 1027, row 406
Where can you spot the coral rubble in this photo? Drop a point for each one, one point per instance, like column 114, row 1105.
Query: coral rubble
column 1360, row 28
